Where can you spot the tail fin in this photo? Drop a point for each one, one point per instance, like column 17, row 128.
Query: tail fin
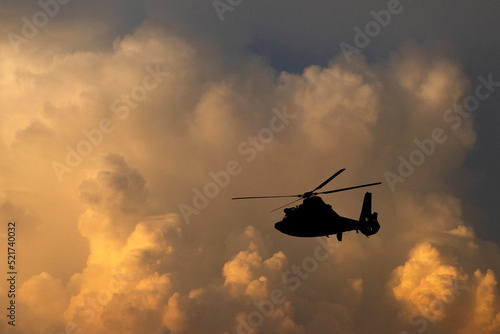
column 366, row 210
column 368, row 220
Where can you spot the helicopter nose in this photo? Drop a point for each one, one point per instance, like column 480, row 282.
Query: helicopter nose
column 279, row 226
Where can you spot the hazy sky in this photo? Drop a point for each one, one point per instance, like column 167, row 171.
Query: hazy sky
column 126, row 127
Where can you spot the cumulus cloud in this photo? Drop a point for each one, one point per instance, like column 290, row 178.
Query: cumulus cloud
column 424, row 281
column 44, row 299
column 135, row 266
column 435, row 292
column 485, row 317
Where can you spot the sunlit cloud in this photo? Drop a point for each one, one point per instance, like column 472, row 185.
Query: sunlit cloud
column 128, row 261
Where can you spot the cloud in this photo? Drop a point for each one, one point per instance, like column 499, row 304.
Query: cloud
column 324, row 115
column 131, row 263
column 434, row 292
column 462, row 231
column 117, row 187
column 424, row 280
column 44, row 300
column 485, row 316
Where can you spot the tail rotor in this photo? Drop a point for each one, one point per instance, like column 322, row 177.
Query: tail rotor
column 368, row 223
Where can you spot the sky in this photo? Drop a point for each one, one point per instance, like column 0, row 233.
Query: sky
column 126, row 127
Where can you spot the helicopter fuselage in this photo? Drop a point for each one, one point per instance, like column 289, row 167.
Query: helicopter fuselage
column 315, row 218
column 316, row 228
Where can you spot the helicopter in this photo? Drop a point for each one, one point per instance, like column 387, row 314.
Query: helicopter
column 315, row 218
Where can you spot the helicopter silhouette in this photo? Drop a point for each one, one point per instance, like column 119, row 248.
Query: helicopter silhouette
column 315, row 218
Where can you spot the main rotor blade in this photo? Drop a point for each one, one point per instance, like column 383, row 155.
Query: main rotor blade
column 328, row 180
column 253, row 197
column 343, row 189
column 285, row 205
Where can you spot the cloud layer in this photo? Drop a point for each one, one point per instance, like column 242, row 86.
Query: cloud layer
column 115, row 255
